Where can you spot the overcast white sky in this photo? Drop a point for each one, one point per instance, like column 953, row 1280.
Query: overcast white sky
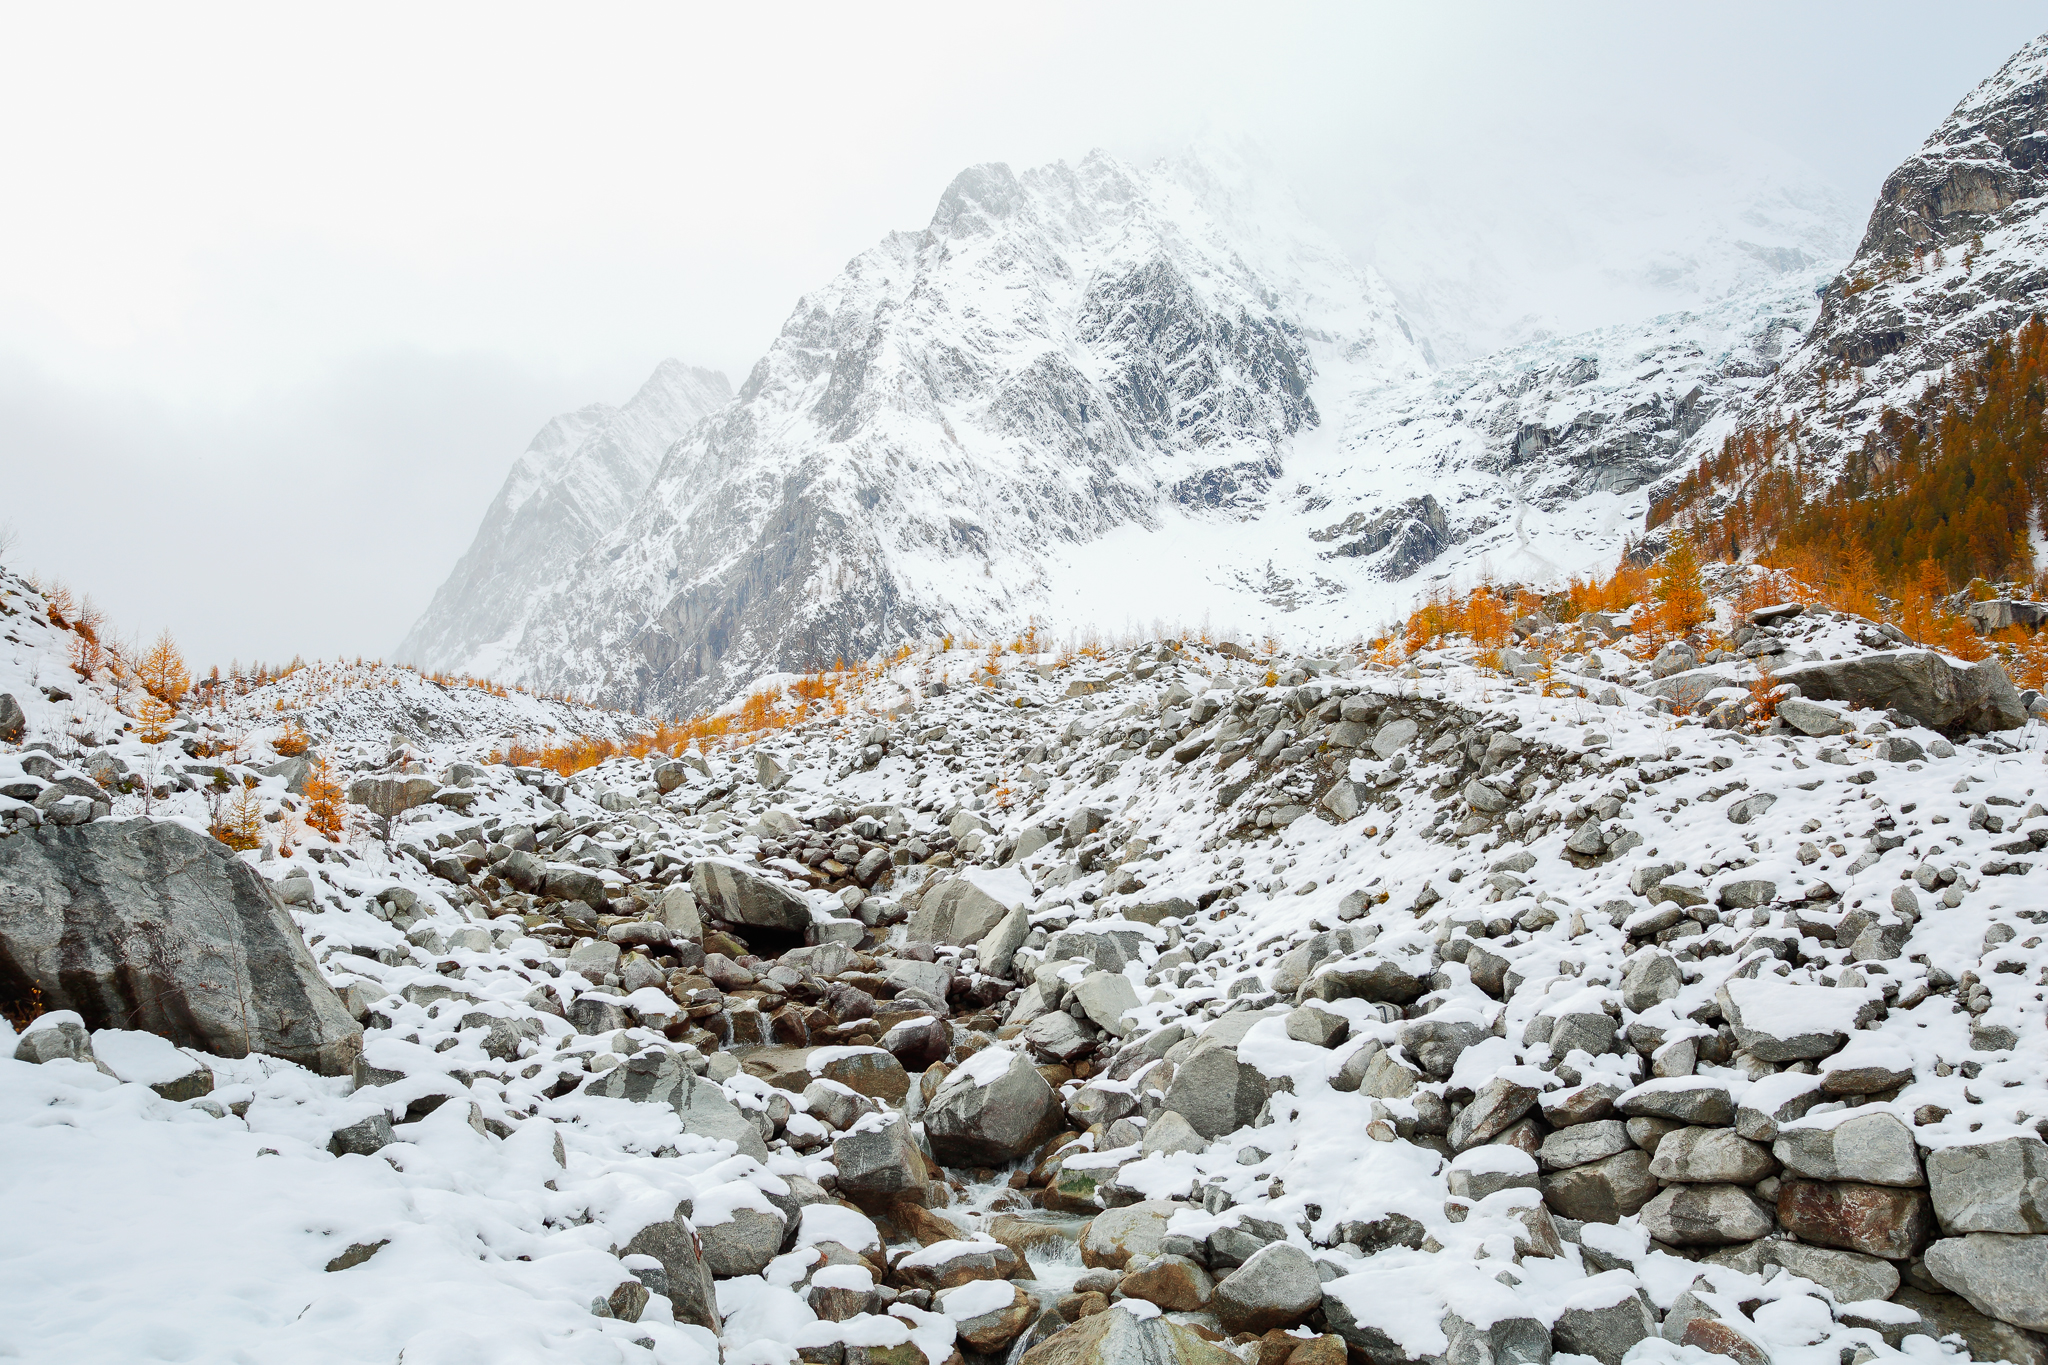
column 286, row 289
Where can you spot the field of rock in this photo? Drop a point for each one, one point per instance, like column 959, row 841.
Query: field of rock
column 1173, row 1003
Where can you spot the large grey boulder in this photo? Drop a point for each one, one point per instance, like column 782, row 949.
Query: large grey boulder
column 1991, row 1187
column 58, row 1036
column 1705, row 1215
column 1653, row 976
column 658, row 1076
column 364, row 1137
column 1503, row 1341
column 1499, row 1103
column 577, row 884
column 1057, row 1035
column 137, row 925
column 13, row 724
column 1438, row 1043
column 1711, row 1156
column 739, row 896
column 744, row 1243
column 1114, row 1237
column 1681, row 1099
column 991, row 1109
column 1874, row 1148
column 1121, row 1338
column 1215, row 1092
column 2002, row 1275
column 1604, row 1320
column 673, row 1242
column 956, row 911
column 392, row 795
column 1105, row 997
column 1810, row 717
column 879, row 1159
column 1276, row 1287
column 1939, row 694
column 1582, row 1144
column 1380, row 980
column 998, row 951
column 1603, row 1191
column 1780, row 1021
column 1849, row 1275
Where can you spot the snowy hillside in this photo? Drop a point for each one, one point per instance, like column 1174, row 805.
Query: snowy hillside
column 580, row 477
column 1530, row 466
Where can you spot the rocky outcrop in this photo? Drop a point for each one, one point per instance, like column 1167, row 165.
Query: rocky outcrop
column 148, row 926
column 1954, row 254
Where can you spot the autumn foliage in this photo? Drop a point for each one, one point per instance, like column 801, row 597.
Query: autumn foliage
column 324, row 800
column 154, row 719
column 1957, row 478
column 162, row 672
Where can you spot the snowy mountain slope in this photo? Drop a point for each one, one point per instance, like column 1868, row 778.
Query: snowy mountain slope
column 1057, row 355
column 580, row 477
column 1955, row 253
column 1535, row 461
column 1529, row 465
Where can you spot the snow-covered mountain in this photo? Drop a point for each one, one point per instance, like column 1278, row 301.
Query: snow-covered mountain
column 1108, row 397
column 1058, row 357
column 580, row 477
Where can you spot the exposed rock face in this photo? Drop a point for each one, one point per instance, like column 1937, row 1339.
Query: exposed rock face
column 1216, row 1092
column 1955, row 253
column 1874, row 1219
column 577, row 480
column 674, row 1243
column 2000, row 1274
column 150, row 926
column 1121, row 1338
column 658, row 1078
column 1276, row 1287
column 1991, row 1187
column 389, row 796
column 957, row 911
column 1973, row 188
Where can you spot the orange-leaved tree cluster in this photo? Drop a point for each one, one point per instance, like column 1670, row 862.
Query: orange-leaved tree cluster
column 1959, row 477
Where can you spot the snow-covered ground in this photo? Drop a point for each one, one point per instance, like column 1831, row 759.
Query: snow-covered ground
column 1196, row 850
